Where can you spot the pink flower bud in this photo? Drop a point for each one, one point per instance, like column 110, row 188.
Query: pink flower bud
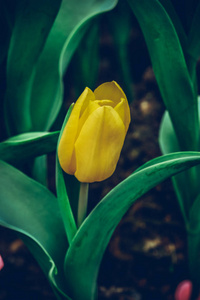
column 1, row 263
column 184, row 290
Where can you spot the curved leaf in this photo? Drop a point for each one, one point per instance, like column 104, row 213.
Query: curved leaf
column 186, row 193
column 86, row 59
column 167, row 137
column 181, row 29
column 193, row 37
column 171, row 11
column 30, row 209
column 85, row 253
column 33, row 21
column 68, row 29
column 62, row 195
column 28, row 145
column 170, row 70
column 6, row 25
column 120, row 25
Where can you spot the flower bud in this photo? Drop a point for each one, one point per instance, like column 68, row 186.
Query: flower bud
column 93, row 137
column 184, row 290
column 1, row 262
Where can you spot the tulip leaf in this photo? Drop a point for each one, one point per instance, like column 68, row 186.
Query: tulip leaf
column 180, row 28
column 33, row 21
column 34, row 80
column 86, row 59
column 93, row 236
column 28, row 145
column 120, row 24
column 170, row 9
column 193, row 37
column 6, row 25
column 167, row 137
column 186, row 193
column 69, row 27
column 62, row 195
column 168, row 144
column 170, row 69
column 31, row 210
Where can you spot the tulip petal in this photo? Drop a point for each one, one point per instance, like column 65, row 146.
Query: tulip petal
column 92, row 106
column 124, row 113
column 66, row 155
column 105, row 103
column 109, row 90
column 99, row 145
column 112, row 91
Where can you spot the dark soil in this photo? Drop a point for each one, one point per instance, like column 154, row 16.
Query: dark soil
column 146, row 257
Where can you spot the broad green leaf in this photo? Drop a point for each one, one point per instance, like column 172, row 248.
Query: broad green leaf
column 62, row 195
column 193, row 37
column 170, row 70
column 86, row 60
column 39, row 170
column 168, row 144
column 73, row 188
column 93, row 236
column 31, row 210
column 33, row 20
column 69, row 27
column 120, row 24
column 186, row 193
column 181, row 27
column 170, row 9
column 167, row 137
column 28, row 145
column 6, row 24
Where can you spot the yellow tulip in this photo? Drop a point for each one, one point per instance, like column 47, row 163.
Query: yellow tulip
column 93, row 137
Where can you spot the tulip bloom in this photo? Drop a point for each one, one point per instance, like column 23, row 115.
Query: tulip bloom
column 93, row 137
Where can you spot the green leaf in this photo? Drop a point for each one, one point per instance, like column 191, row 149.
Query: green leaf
column 68, row 29
column 170, row 9
column 31, row 210
column 6, row 24
column 181, row 29
column 193, row 37
column 85, row 253
column 186, row 193
column 33, row 21
column 28, row 145
column 167, row 137
column 120, row 24
column 39, row 170
column 168, row 144
column 170, row 70
column 62, row 195
column 86, row 59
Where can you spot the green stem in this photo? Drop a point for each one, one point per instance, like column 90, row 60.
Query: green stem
column 82, row 203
